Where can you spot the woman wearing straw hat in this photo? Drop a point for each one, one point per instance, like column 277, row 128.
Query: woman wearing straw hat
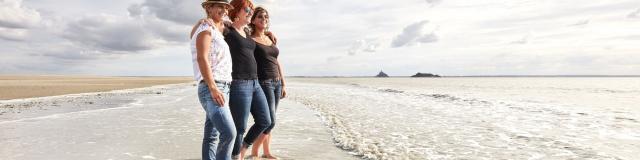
column 212, row 67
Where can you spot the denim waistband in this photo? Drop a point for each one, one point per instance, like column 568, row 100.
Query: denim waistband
column 219, row 82
column 245, row 80
column 270, row 80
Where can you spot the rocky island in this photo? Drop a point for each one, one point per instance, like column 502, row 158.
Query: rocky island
column 425, row 75
column 382, row 75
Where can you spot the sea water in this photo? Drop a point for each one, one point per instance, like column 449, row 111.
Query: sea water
column 478, row 118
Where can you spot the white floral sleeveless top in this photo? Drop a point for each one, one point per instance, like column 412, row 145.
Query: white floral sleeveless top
column 219, row 55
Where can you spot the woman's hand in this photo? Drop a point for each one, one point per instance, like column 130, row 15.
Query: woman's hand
column 272, row 37
column 217, row 96
column 284, row 93
column 207, row 21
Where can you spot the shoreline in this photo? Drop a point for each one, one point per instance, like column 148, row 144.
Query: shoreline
column 32, row 86
column 142, row 124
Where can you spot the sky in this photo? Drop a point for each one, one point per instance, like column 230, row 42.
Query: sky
column 332, row 37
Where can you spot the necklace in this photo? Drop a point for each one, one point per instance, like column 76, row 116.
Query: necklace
column 265, row 40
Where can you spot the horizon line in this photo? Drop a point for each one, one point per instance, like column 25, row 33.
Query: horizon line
column 310, row 76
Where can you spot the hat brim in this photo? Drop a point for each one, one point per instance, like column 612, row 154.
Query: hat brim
column 214, row 2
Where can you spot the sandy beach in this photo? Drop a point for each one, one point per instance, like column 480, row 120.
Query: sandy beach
column 26, row 86
column 159, row 122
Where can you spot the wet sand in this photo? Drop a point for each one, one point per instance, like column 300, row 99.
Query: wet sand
column 27, row 86
column 160, row 122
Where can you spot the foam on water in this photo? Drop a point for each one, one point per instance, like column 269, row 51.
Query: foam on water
column 396, row 122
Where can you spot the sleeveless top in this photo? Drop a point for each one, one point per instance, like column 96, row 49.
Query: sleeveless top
column 219, row 55
column 267, row 59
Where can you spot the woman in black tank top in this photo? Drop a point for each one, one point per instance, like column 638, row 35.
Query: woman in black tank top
column 269, row 73
column 246, row 95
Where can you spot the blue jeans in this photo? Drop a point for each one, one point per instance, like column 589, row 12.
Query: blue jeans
column 219, row 130
column 246, row 97
column 273, row 91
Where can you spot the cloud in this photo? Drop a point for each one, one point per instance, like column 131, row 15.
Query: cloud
column 135, row 10
column 581, row 23
column 179, row 11
column 433, row 2
column 523, row 40
column 109, row 34
column 625, row 37
column 166, row 30
column 14, row 15
column 418, row 32
column 263, row 2
column 168, row 19
column 364, row 45
column 634, row 14
column 13, row 34
column 334, row 58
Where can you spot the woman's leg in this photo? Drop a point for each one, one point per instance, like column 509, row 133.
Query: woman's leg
column 219, row 131
column 260, row 113
column 277, row 92
column 226, row 127
column 240, row 105
column 268, row 88
column 257, row 144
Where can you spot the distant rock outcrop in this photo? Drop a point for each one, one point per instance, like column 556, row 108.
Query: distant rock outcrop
column 425, row 75
column 382, row 74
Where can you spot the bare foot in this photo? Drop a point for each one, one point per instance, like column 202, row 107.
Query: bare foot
column 268, row 156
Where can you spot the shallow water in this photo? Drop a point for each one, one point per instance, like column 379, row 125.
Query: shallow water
column 163, row 122
column 478, row 118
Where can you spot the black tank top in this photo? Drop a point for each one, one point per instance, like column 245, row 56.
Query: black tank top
column 244, row 63
column 267, row 58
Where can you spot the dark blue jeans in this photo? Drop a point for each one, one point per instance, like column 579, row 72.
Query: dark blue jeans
column 246, row 97
column 219, row 130
column 273, row 91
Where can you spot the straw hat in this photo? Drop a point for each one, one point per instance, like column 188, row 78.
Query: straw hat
column 225, row 2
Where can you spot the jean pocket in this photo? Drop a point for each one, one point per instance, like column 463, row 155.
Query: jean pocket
column 202, row 89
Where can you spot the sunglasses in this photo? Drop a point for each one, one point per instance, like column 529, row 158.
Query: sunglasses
column 248, row 10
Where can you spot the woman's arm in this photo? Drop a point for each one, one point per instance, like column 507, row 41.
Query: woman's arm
column 193, row 30
column 284, row 92
column 272, row 37
column 203, row 44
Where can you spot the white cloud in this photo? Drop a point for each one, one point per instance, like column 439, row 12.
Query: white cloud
column 13, row 34
column 523, row 40
column 179, row 11
column 334, row 58
column 14, row 15
column 15, row 19
column 365, row 45
column 634, row 14
column 581, row 23
column 109, row 34
column 418, row 32
column 433, row 2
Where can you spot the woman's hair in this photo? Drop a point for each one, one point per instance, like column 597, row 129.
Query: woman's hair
column 238, row 5
column 256, row 12
column 206, row 9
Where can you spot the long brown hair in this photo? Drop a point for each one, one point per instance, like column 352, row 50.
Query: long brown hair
column 257, row 11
